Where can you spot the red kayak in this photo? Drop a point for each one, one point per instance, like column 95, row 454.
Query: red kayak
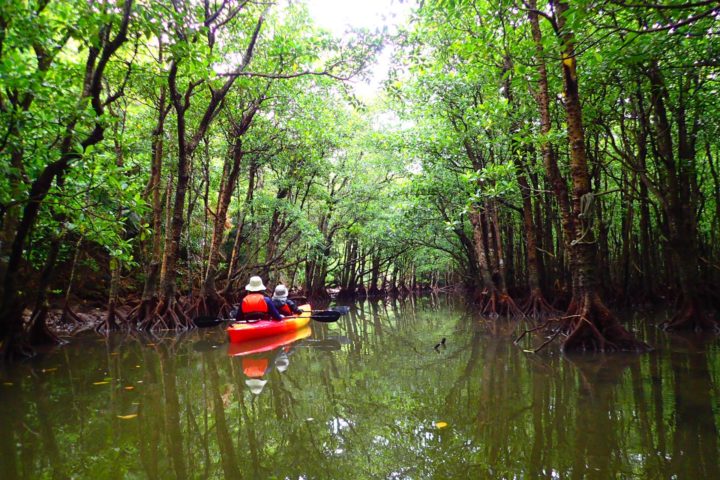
column 260, row 345
column 242, row 331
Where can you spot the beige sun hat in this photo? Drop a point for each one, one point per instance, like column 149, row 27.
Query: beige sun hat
column 255, row 285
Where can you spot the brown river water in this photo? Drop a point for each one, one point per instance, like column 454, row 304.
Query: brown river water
column 372, row 396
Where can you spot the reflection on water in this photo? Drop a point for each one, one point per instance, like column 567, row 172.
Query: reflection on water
column 260, row 356
column 367, row 397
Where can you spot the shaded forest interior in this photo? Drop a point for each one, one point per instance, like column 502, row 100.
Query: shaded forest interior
column 549, row 159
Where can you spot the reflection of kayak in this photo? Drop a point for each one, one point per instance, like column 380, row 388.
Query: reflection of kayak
column 241, row 332
column 266, row 344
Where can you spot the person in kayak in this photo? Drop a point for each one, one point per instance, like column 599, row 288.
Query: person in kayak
column 255, row 305
column 284, row 305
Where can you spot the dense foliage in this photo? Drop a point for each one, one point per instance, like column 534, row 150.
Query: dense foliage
column 544, row 155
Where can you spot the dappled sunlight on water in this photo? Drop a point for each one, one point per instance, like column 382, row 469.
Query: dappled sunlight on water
column 375, row 395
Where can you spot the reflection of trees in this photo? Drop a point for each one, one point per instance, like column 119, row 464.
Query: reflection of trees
column 599, row 448
column 11, row 410
column 174, row 437
column 46, row 431
column 150, row 428
column 368, row 409
column 227, row 450
column 694, row 442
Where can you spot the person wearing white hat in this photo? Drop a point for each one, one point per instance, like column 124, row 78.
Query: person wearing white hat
column 283, row 303
column 255, row 305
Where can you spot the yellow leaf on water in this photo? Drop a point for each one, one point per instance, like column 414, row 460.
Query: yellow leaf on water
column 114, row 353
column 8, row 384
column 441, row 424
column 150, row 345
column 129, row 387
column 48, row 370
column 127, row 417
column 101, row 383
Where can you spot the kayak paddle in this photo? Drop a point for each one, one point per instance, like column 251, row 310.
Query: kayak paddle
column 208, row 321
column 325, row 316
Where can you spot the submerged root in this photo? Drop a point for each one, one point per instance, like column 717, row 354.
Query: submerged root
column 588, row 327
column 319, row 296
column 691, row 318
column 39, row 333
column 593, row 328
column 111, row 321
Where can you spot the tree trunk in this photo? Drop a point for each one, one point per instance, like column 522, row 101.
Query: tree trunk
column 235, row 255
column 115, row 263
column 680, row 209
column 374, row 274
column 591, row 325
column 494, row 301
column 558, row 183
column 209, row 302
column 152, row 279
column 536, row 305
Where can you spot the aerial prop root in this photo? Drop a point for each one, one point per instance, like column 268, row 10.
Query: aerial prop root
column 68, row 314
column 588, row 326
column 170, row 315
column 142, row 314
column 592, row 327
column 497, row 303
column 537, row 306
column 211, row 304
column 111, row 321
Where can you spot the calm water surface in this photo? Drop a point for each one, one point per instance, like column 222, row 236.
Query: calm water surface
column 366, row 398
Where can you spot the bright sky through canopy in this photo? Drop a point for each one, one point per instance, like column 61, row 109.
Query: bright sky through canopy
column 338, row 15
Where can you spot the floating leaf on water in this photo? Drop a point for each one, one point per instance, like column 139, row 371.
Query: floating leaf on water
column 129, row 387
column 114, row 353
column 139, row 381
column 441, row 424
column 135, row 403
column 150, row 345
column 137, row 366
column 103, row 382
column 48, row 370
column 8, row 384
column 127, row 417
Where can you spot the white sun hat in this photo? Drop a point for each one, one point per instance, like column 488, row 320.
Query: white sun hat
column 256, row 385
column 255, row 285
column 282, row 362
column 281, row 292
